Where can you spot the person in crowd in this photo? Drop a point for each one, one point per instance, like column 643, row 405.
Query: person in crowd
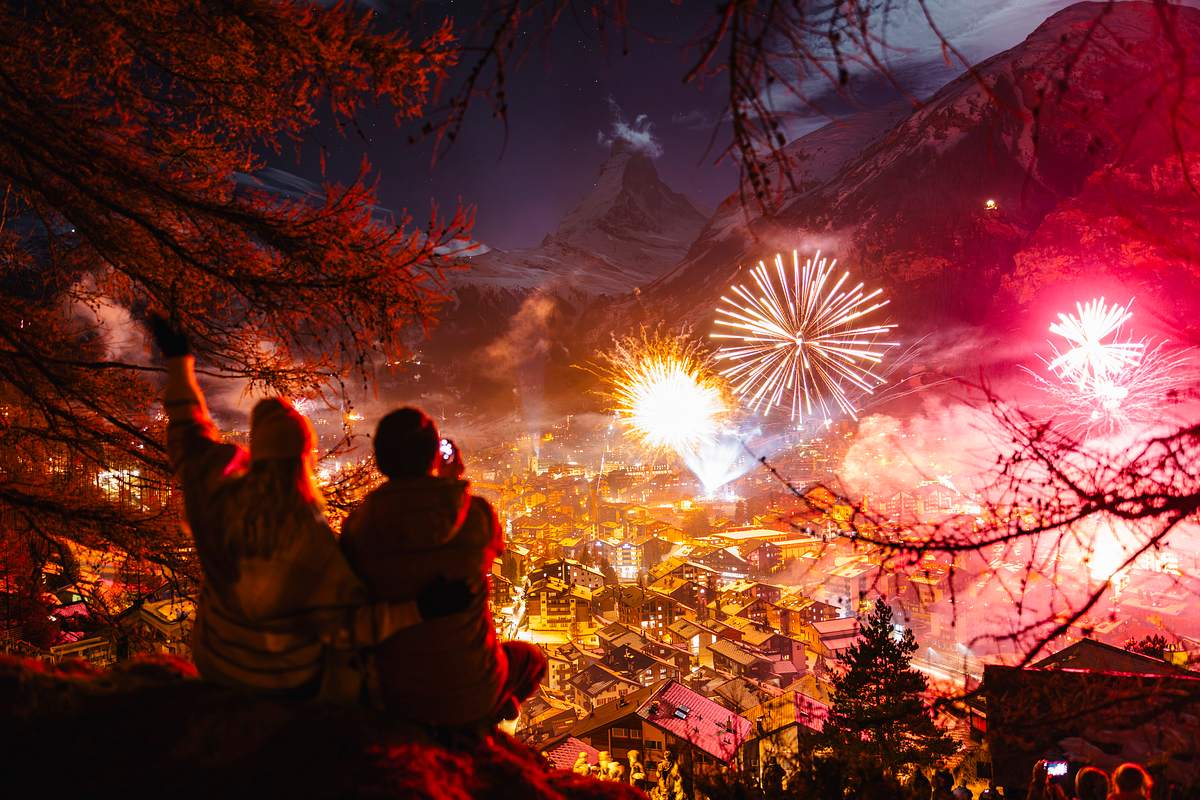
column 1131, row 782
column 423, row 524
column 1091, row 784
column 1042, row 785
column 919, row 785
column 582, row 767
column 637, row 770
column 943, row 785
column 772, row 778
column 604, row 760
column 279, row 609
column 670, row 781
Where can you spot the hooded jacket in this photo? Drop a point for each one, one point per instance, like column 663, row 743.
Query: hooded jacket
column 408, row 532
column 262, row 622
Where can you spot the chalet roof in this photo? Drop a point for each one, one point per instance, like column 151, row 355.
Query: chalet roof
column 690, row 716
column 614, row 710
column 558, row 586
column 753, row 534
column 1096, row 656
column 596, row 679
column 720, row 553
column 842, row 626
column 686, row 628
column 564, row 754
column 745, row 693
column 795, row 602
column 739, row 624
column 613, row 630
column 757, row 636
column 670, row 583
column 733, row 652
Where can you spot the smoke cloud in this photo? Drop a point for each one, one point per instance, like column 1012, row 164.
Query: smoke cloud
column 945, row 440
column 520, row 355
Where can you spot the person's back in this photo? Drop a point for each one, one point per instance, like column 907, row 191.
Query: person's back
column 275, row 584
column 943, row 783
column 1091, row 784
column 410, row 531
column 416, row 527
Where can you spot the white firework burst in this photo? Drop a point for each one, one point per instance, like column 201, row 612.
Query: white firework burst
column 1095, row 354
column 800, row 339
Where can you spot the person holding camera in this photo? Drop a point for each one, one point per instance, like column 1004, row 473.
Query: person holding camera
column 423, row 524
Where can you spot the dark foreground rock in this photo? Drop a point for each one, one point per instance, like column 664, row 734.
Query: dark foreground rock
column 149, row 728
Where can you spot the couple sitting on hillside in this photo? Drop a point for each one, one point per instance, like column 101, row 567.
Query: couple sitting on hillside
column 397, row 616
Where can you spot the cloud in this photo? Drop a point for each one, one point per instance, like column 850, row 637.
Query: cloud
column 638, row 135
column 693, row 120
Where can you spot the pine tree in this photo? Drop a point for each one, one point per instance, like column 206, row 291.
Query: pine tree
column 1155, row 645
column 879, row 717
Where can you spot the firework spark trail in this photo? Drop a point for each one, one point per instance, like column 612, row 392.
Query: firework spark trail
column 1136, row 395
column 799, row 340
column 1090, row 358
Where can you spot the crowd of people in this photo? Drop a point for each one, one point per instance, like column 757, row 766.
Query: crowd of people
column 394, row 614
column 1127, row 782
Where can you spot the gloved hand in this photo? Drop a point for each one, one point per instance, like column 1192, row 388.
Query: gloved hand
column 170, row 340
column 444, row 597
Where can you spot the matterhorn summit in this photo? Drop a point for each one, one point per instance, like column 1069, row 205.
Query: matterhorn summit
column 628, row 230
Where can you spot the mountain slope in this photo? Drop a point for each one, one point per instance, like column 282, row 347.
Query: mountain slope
column 1071, row 134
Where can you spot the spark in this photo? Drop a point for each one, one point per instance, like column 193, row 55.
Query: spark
column 800, row 340
column 664, row 392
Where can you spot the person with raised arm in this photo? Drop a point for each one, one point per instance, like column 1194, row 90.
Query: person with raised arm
column 279, row 609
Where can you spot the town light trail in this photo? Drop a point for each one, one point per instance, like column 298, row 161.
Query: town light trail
column 799, row 339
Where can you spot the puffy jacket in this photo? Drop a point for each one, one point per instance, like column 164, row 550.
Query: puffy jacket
column 449, row 671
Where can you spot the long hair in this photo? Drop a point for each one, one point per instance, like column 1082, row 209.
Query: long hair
column 261, row 509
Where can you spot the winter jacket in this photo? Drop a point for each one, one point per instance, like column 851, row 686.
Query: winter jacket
column 267, row 623
column 406, row 533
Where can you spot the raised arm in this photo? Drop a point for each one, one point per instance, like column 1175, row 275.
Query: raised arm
column 191, row 434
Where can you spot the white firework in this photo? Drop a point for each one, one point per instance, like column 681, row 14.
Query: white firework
column 800, row 339
column 1096, row 354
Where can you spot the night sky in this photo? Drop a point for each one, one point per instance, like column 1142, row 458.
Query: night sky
column 572, row 90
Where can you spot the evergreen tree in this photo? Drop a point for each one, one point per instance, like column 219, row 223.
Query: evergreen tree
column 1155, row 645
column 879, row 716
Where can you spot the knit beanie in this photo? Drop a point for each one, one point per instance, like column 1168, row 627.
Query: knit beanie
column 279, row 431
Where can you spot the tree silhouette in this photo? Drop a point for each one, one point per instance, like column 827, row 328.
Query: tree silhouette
column 128, row 132
column 1155, row 645
column 879, row 715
